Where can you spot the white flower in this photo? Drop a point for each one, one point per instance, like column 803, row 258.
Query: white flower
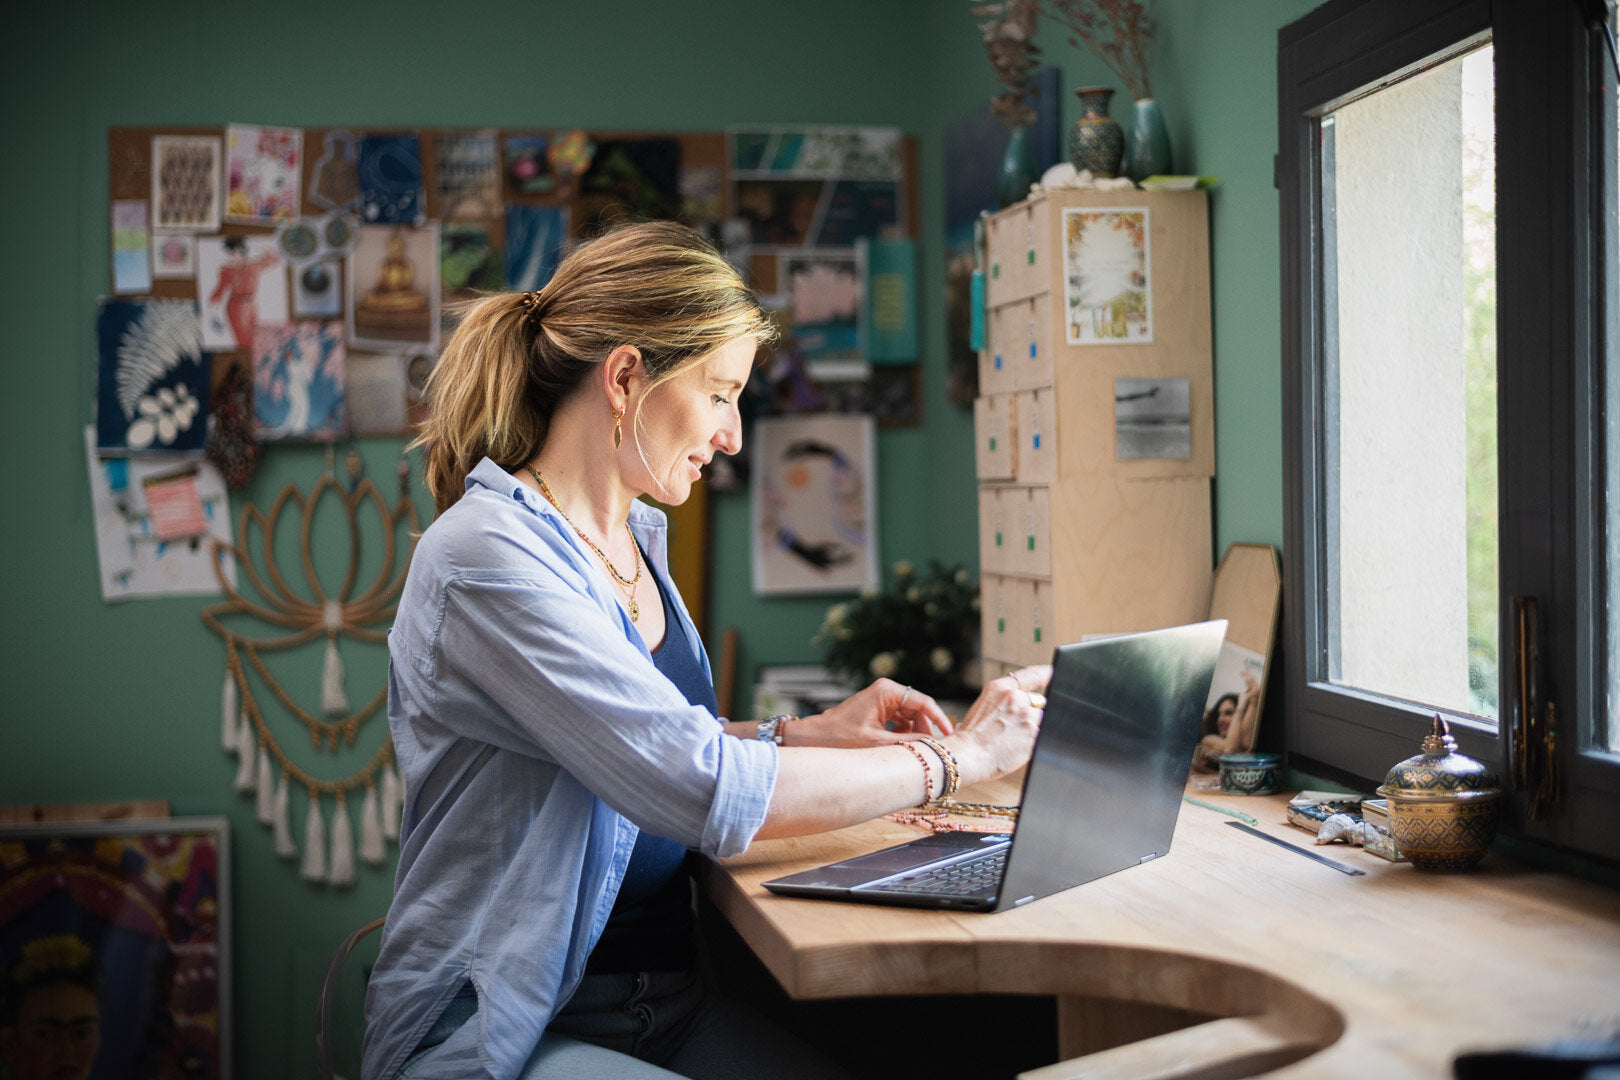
column 913, row 594
column 870, row 592
column 883, row 664
column 835, row 616
column 961, row 576
column 940, row 658
column 902, row 569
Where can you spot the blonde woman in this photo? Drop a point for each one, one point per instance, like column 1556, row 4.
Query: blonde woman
column 552, row 707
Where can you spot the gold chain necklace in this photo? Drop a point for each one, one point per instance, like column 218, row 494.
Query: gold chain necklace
column 629, row 584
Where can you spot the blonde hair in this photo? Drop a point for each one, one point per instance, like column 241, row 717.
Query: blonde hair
column 656, row 285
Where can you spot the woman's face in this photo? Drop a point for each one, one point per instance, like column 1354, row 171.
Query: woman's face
column 677, row 429
column 1224, row 713
column 57, row 1034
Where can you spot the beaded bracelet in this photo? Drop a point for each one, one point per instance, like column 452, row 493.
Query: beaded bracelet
column 953, row 776
column 928, row 774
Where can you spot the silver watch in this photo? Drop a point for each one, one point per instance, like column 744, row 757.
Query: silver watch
column 770, row 728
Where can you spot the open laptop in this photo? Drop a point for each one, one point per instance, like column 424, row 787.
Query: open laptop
column 1102, row 791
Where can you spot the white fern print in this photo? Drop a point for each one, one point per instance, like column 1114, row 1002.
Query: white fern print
column 167, row 333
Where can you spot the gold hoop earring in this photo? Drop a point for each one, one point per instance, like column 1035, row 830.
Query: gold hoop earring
column 618, row 432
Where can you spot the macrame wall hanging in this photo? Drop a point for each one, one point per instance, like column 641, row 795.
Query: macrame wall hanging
column 309, row 615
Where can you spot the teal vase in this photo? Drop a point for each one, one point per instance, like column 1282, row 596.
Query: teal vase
column 1096, row 142
column 1017, row 168
column 1147, row 151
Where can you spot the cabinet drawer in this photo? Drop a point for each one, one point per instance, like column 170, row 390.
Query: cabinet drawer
column 995, row 536
column 1001, row 338
column 995, row 447
column 1038, row 629
column 1032, row 364
column 1035, row 420
column 998, row 630
column 1035, row 552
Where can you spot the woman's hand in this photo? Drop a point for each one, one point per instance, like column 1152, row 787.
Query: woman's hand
column 881, row 715
column 998, row 733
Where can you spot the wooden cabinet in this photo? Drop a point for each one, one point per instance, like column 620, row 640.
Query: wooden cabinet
column 1095, row 422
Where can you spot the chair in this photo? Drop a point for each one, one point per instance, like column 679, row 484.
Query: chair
column 323, row 1019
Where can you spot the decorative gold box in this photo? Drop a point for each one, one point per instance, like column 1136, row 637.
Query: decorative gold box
column 1442, row 804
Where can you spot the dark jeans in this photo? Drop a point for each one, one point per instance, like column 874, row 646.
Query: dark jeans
column 647, row 1025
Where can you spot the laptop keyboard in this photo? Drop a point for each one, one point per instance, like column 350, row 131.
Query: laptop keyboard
column 970, row 877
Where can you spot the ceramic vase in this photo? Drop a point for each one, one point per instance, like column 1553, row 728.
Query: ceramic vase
column 1147, row 151
column 1017, row 168
column 1096, row 141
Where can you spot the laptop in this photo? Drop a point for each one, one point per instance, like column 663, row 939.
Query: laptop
column 1101, row 793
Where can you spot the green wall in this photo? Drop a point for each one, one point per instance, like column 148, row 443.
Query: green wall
column 115, row 702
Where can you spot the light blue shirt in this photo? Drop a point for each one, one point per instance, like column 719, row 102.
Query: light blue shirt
column 534, row 735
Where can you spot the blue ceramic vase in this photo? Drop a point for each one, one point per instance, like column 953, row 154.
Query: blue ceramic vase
column 1096, row 142
column 1017, row 168
column 1147, row 151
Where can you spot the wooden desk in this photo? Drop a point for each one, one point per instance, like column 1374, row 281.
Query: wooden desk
column 1230, row 952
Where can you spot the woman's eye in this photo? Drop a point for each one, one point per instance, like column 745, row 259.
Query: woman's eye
column 721, row 399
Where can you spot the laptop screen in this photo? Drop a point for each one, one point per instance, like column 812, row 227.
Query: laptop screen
column 1104, row 788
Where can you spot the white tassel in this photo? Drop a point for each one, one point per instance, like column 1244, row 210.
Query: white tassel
column 333, row 699
column 314, row 867
column 227, row 714
column 342, row 871
column 392, row 800
column 264, row 803
column 246, row 746
column 285, row 848
column 372, row 850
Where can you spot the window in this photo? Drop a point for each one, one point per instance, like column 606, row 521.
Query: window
column 1449, row 174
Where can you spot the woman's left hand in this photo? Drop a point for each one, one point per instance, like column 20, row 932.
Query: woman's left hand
column 881, row 715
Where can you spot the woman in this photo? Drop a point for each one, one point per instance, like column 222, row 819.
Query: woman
column 552, row 707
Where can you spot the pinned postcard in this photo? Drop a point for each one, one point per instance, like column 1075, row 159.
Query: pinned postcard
column 390, row 171
column 133, row 559
column 263, row 170
column 1108, row 267
column 186, row 181
column 174, row 255
column 528, row 168
column 242, row 282
column 377, row 394
column 316, row 290
column 298, row 381
column 468, row 174
column 334, row 183
column 817, row 186
column 826, row 300
column 534, row 244
column 393, row 288
column 1152, row 419
column 814, row 505
column 151, row 375
column 132, row 270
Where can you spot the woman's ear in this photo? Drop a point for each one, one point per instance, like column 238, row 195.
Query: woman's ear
column 622, row 366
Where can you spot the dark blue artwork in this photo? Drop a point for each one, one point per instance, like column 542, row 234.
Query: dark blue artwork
column 391, row 179
column 534, row 244
column 151, row 377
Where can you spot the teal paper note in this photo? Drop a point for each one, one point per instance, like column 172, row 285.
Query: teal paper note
column 891, row 301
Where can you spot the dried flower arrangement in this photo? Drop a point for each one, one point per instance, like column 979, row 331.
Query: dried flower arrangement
column 1009, row 37
column 1120, row 32
column 920, row 629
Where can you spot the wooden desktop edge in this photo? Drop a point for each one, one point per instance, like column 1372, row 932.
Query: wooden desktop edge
column 1229, row 951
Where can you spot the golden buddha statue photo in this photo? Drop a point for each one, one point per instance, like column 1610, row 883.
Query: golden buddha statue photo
column 393, row 308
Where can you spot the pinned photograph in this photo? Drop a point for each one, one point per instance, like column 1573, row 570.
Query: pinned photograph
column 152, row 377
column 317, row 290
column 174, row 255
column 377, row 393
column 132, row 269
column 825, row 300
column 528, row 170
column 535, row 236
column 264, row 166
column 390, row 173
column 814, row 505
column 1152, row 419
column 334, row 183
column 186, row 183
column 393, row 288
column 242, row 282
column 467, row 173
column 298, row 381
column 1107, row 272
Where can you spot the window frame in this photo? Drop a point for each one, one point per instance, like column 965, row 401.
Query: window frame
column 1554, row 319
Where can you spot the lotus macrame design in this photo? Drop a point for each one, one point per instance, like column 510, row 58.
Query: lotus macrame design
column 298, row 616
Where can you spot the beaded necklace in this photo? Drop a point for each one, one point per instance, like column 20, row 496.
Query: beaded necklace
column 628, row 584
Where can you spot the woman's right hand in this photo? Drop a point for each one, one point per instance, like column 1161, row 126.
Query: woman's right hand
column 997, row 733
